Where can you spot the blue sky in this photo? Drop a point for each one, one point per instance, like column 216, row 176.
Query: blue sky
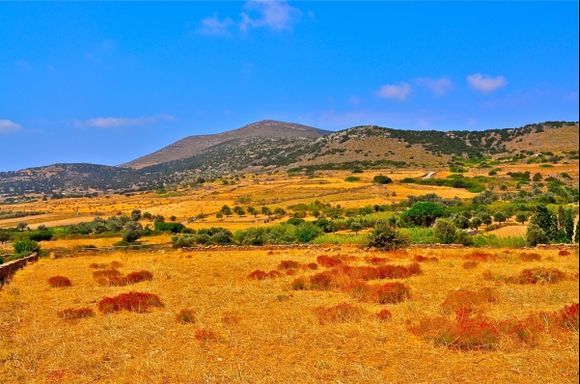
column 108, row 82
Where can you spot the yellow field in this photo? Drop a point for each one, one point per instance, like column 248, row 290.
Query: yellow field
column 273, row 191
column 266, row 332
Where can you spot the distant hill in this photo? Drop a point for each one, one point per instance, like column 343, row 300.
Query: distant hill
column 270, row 145
column 194, row 145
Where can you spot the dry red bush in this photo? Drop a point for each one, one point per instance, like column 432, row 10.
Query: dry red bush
column 479, row 256
column 312, row 266
column 376, row 260
column 75, row 313
column 59, row 281
column 328, row 261
column 421, row 259
column 257, row 275
column 131, row 301
column 107, row 273
column 540, row 275
column 463, row 333
column 98, row 265
column 186, row 316
column 563, row 252
column 470, row 264
column 116, row 264
column 205, row 335
column 340, row 313
column 290, row 272
column 461, row 299
column 288, row 264
column 299, row 284
column 525, row 256
column 384, row 315
column 135, row 277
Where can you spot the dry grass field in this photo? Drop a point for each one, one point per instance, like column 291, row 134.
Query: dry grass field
column 240, row 330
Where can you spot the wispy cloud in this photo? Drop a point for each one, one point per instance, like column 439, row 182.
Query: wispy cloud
column 486, row 83
column 8, row 126
column 399, row 91
column 275, row 15
column 438, row 86
column 119, row 122
column 214, row 26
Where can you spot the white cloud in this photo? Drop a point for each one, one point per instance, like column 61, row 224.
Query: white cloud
column 438, row 86
column 485, row 83
column 118, row 122
column 276, row 15
column 399, row 91
column 273, row 14
column 214, row 26
column 8, row 126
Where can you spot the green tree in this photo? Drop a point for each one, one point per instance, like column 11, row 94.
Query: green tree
column 546, row 221
column 445, row 231
column 25, row 247
column 382, row 179
column 521, row 217
column 226, row 210
column 423, row 213
column 475, row 223
column 383, row 236
column 355, row 226
column 136, row 215
column 536, row 235
column 239, row 210
column 500, row 217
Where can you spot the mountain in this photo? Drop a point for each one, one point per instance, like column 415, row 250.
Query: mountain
column 71, row 179
column 194, row 145
column 269, row 145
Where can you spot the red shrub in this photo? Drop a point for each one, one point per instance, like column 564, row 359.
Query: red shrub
column 273, row 275
column 290, row 272
column 257, row 275
column 328, row 261
column 563, row 252
column 205, row 335
column 464, row 333
column 479, row 256
column 530, row 257
column 524, row 331
column 420, row 259
column 299, row 284
column 59, row 281
column 186, row 316
column 391, row 293
column 462, row 299
column 470, row 264
column 135, row 277
column 132, row 301
column 75, row 313
column 116, row 264
column 377, row 260
column 340, row 313
column 540, row 276
column 107, row 273
column 397, row 271
column 98, row 265
column 384, row 315
column 312, row 266
column 567, row 317
column 288, row 264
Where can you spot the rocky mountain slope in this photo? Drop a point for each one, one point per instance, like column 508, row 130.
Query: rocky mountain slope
column 269, row 145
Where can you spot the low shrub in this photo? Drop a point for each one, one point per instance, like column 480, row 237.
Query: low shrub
column 563, row 252
column 299, row 284
column 262, row 275
column 384, row 315
column 107, row 273
column 312, row 266
column 377, row 260
column 186, row 316
column 464, row 333
column 525, row 256
column 131, row 301
column 421, row 259
column 340, row 313
column 467, row 299
column 75, row 313
column 59, row 282
column 205, row 335
column 479, row 256
column 135, row 277
column 98, row 265
column 540, row 275
column 288, row 264
column 470, row 264
column 328, row 261
column 391, row 293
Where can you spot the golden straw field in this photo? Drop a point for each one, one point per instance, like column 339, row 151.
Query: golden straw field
column 242, row 330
